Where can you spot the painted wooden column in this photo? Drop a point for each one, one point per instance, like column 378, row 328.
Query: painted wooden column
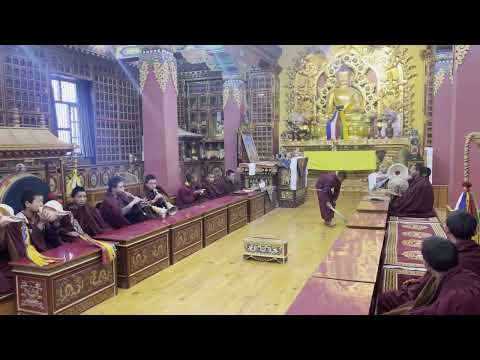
column 465, row 110
column 158, row 82
column 442, row 121
column 233, row 111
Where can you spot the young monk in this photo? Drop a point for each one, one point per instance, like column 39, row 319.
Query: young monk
column 462, row 228
column 418, row 200
column 88, row 217
column 212, row 187
column 154, row 193
column 454, row 290
column 44, row 234
column 328, row 189
column 10, row 248
column 414, row 173
column 117, row 209
column 189, row 194
column 228, row 184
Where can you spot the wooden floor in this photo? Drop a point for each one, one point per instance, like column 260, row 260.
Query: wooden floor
column 216, row 280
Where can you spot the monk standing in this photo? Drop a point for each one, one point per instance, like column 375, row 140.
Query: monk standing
column 189, row 194
column 462, row 228
column 418, row 200
column 116, row 209
column 88, row 217
column 454, row 290
column 328, row 189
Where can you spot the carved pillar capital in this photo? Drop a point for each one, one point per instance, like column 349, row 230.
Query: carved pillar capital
column 163, row 64
column 236, row 88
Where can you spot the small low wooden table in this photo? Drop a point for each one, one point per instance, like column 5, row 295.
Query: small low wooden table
column 70, row 287
column 333, row 297
column 375, row 221
column 373, row 206
column 355, row 256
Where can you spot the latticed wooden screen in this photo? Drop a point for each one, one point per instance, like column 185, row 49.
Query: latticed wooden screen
column 25, row 74
column 263, row 104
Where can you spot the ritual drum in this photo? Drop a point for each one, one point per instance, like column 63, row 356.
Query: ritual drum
column 13, row 186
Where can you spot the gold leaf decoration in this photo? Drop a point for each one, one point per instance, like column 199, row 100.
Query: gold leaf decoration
column 438, row 80
column 460, row 51
column 164, row 67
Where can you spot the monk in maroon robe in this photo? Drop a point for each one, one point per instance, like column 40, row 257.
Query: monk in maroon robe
column 116, row 209
column 88, row 217
column 418, row 199
column 454, row 290
column 212, row 187
column 462, row 228
column 189, row 194
column 11, row 248
column 328, row 189
column 228, row 184
column 414, row 173
column 154, row 193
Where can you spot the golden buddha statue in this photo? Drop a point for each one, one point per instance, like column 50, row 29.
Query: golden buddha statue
column 346, row 98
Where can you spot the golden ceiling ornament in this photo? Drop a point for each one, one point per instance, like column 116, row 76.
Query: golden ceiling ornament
column 164, row 67
column 235, row 88
column 143, row 73
column 460, row 52
column 438, row 80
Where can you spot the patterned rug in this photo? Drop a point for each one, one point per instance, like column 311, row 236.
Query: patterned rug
column 394, row 277
column 414, row 220
column 404, row 242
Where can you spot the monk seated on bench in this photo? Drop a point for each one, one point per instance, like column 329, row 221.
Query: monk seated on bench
column 190, row 193
column 418, row 200
column 213, row 187
column 452, row 289
column 88, row 217
column 462, row 228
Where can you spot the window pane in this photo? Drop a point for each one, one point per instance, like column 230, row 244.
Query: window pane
column 69, row 91
column 64, row 135
column 74, row 121
column 56, row 90
column 62, row 115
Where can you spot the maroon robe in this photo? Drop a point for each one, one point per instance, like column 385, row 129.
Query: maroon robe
column 416, row 202
column 327, row 183
column 43, row 239
column 213, row 190
column 186, row 197
column 468, row 258
column 458, row 294
column 111, row 211
column 226, row 187
column 150, row 195
column 89, row 219
column 12, row 248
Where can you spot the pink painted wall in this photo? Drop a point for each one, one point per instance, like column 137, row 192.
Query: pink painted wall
column 160, row 133
column 465, row 110
column 455, row 112
column 232, row 117
column 441, row 133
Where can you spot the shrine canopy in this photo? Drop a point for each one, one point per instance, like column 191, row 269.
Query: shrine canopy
column 341, row 160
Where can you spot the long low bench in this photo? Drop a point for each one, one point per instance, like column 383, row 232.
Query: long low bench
column 146, row 248
column 69, row 287
column 349, row 280
column 83, row 281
